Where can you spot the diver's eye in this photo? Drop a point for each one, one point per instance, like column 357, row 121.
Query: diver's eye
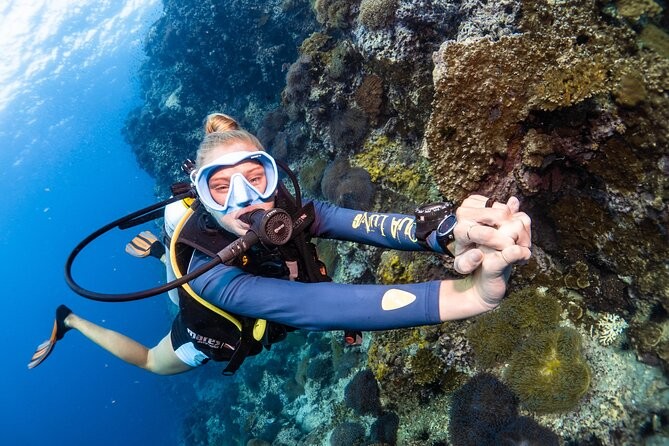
column 221, row 188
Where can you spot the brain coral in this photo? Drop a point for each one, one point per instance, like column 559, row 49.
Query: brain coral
column 549, row 372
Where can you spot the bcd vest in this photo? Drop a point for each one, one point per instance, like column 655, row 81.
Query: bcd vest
column 225, row 336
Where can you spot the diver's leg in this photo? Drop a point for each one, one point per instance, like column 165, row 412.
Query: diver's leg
column 161, row 359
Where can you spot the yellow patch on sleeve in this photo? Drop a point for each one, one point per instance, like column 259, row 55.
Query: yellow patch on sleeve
column 394, row 299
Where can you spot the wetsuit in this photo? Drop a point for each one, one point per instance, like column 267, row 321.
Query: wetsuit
column 328, row 305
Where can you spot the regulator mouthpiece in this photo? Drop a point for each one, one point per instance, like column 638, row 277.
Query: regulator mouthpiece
column 273, row 227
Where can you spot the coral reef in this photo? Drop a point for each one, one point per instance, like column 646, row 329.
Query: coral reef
column 369, row 96
column 346, row 186
column 480, row 409
column 377, row 14
column 548, row 372
column 348, row 434
column 494, row 336
column 609, row 328
column 562, row 103
column 334, row 13
column 362, row 393
column 526, row 431
column 382, row 158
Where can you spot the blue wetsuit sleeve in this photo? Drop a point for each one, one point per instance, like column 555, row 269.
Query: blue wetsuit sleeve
column 318, row 306
column 395, row 231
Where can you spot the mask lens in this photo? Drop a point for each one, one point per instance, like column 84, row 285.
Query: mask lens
column 241, row 192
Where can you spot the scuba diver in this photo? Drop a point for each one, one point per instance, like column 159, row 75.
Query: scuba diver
column 240, row 306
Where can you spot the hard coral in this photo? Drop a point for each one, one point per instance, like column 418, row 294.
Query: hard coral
column 362, row 394
column 341, row 60
column 347, row 434
column 549, row 372
column 381, row 157
column 346, row 186
column 527, row 432
column 464, row 137
column 377, row 14
column 425, row 366
column 348, row 127
column 369, row 96
column 635, row 9
column 314, row 44
column 609, row 328
column 616, row 236
column 334, row 13
column 480, row 409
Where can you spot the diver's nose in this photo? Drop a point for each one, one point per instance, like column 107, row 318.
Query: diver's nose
column 242, row 194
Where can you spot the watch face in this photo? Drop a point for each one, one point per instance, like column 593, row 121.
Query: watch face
column 433, row 211
column 446, row 226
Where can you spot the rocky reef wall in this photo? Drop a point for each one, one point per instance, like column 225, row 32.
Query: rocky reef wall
column 386, row 104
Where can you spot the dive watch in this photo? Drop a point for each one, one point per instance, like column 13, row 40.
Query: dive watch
column 439, row 217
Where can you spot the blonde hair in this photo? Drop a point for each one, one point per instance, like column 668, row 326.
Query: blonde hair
column 221, row 130
column 219, row 122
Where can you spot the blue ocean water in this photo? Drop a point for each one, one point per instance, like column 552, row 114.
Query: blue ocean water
column 66, row 85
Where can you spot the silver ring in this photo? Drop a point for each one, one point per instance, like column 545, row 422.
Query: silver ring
column 502, row 254
column 469, row 229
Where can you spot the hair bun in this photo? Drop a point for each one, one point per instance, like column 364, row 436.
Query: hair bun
column 219, row 122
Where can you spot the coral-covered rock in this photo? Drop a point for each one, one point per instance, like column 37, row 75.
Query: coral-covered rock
column 526, row 431
column 348, row 434
column 346, row 186
column 362, row 393
column 480, row 409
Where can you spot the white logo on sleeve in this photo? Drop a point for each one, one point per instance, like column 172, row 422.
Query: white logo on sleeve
column 394, row 299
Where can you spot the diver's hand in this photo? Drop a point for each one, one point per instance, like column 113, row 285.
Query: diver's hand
column 489, row 281
column 496, row 228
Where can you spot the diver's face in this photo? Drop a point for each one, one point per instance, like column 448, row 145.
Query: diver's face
column 221, row 180
column 220, row 183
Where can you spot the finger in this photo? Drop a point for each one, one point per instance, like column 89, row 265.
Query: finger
column 474, row 201
column 514, row 204
column 519, row 229
column 488, row 236
column 494, row 216
column 515, row 230
column 525, row 231
column 526, row 221
column 467, row 262
column 515, row 254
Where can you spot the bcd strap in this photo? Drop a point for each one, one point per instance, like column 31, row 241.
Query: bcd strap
column 243, row 349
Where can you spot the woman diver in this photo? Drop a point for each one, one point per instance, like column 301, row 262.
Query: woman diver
column 234, row 178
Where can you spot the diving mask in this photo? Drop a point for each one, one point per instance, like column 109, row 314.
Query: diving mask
column 241, row 192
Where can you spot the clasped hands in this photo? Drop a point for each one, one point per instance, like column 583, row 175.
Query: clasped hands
column 489, row 238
